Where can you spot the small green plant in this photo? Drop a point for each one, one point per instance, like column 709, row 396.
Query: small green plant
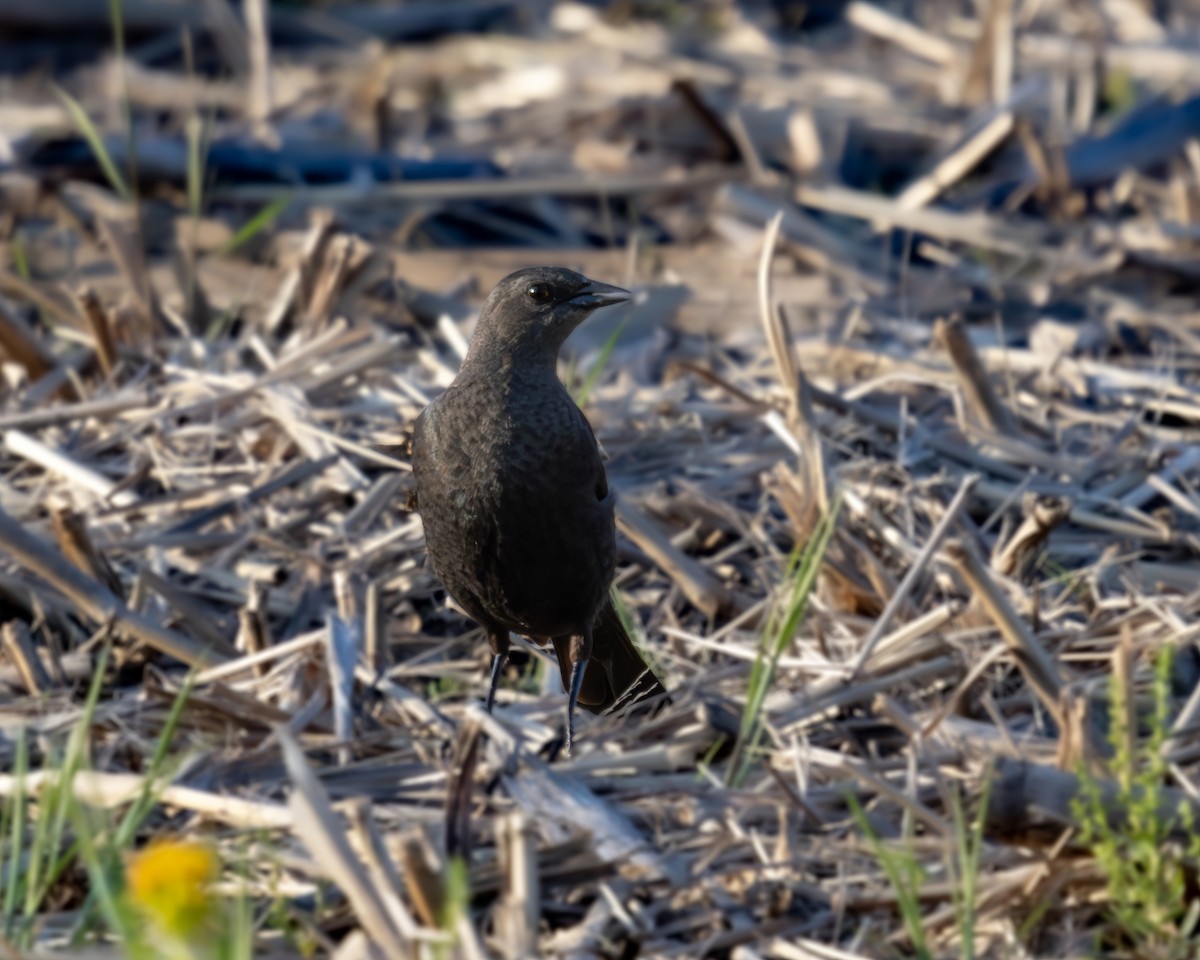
column 20, row 259
column 799, row 579
column 632, row 626
column 965, row 866
column 906, row 875
column 37, row 846
column 156, row 902
column 446, row 685
column 256, row 224
column 1119, row 92
column 88, row 131
column 456, row 900
column 597, row 368
column 904, row 872
column 532, row 675
column 1146, row 871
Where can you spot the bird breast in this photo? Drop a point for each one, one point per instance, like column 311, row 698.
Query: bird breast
column 518, row 518
column 525, row 439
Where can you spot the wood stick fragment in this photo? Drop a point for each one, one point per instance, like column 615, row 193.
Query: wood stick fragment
column 257, row 17
column 973, row 227
column 1000, row 22
column 422, row 878
column 374, row 646
column 1170, row 473
column 520, row 910
column 22, row 289
column 984, row 403
column 28, row 448
column 317, row 826
column 1030, row 796
column 905, row 34
column 94, row 599
column 253, row 636
column 701, row 587
column 485, row 188
column 105, row 790
column 130, row 258
column 71, row 667
column 200, row 618
column 100, row 326
column 727, row 149
column 343, row 642
column 70, row 412
column 1039, row 669
column 386, row 876
column 296, row 289
column 958, row 164
column 915, row 572
column 461, row 787
column 19, row 649
column 1042, row 515
column 71, row 533
column 327, row 285
column 21, row 344
column 249, row 661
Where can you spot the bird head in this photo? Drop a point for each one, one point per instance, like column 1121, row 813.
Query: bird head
column 537, row 308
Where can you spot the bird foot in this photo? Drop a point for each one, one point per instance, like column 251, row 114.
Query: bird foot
column 577, row 669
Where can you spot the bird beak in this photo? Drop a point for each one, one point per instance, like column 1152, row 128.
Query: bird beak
column 597, row 294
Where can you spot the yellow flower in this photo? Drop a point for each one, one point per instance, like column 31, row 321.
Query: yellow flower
column 170, row 883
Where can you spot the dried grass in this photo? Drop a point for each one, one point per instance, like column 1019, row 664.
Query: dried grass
column 205, row 461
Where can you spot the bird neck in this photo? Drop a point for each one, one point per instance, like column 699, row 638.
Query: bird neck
column 493, row 356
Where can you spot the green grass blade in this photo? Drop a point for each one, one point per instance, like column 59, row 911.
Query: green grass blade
column 39, row 852
column 256, row 224
column 964, row 867
column 117, row 22
column 905, row 874
column 589, row 382
column 456, row 887
column 631, row 624
column 786, row 613
column 102, row 871
column 241, row 933
column 570, row 376
column 89, row 133
column 58, row 799
column 13, row 824
column 20, row 260
column 140, row 809
column 135, row 816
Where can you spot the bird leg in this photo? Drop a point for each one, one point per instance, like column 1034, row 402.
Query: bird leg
column 580, row 653
column 498, row 640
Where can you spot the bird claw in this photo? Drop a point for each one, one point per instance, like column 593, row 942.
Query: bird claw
column 577, row 669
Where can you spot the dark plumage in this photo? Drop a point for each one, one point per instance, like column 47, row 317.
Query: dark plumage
column 512, row 492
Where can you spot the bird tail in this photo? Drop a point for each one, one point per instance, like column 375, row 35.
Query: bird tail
column 617, row 671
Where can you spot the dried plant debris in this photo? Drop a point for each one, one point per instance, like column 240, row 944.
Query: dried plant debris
column 904, row 422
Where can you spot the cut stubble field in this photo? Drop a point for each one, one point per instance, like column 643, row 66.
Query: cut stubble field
column 903, row 422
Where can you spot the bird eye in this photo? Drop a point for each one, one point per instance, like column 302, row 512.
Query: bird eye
column 538, row 291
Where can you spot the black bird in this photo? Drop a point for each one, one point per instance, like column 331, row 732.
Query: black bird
column 511, row 489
